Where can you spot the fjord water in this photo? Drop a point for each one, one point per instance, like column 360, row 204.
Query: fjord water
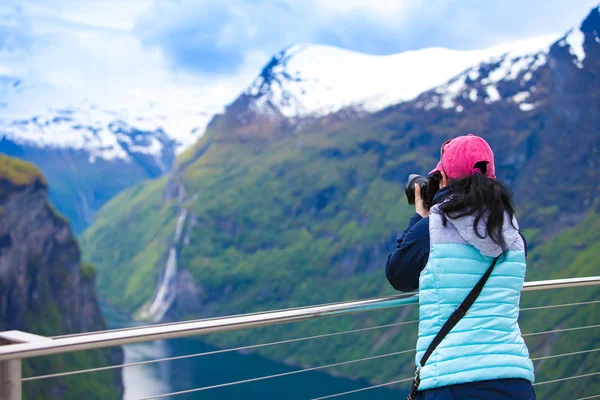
column 171, row 376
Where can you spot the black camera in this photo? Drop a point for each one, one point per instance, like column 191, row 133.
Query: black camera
column 429, row 186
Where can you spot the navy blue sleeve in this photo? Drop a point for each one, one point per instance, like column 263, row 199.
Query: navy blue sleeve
column 405, row 264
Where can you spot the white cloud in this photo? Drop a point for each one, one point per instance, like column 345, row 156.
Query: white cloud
column 384, row 11
column 381, row 7
column 109, row 14
column 201, row 54
column 80, row 54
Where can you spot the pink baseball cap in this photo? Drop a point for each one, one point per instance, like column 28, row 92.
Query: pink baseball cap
column 459, row 156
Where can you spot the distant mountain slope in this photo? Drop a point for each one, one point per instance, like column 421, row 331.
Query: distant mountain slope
column 90, row 153
column 105, row 133
column 44, row 288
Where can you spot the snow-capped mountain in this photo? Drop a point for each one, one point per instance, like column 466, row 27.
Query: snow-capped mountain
column 315, row 80
column 312, row 81
column 510, row 77
column 105, row 133
column 91, row 152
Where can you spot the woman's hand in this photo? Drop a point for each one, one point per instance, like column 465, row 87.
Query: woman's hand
column 419, row 205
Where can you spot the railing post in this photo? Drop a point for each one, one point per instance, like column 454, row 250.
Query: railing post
column 10, row 380
column 11, row 384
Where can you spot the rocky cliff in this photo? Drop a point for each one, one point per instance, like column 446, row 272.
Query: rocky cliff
column 43, row 287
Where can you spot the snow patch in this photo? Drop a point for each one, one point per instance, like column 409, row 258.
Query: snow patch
column 575, row 41
column 154, row 147
column 473, row 74
column 540, row 59
column 473, row 95
column 511, row 68
column 450, row 91
column 521, row 97
column 526, row 106
column 518, row 66
column 433, row 103
column 499, row 73
column 503, row 64
column 492, row 94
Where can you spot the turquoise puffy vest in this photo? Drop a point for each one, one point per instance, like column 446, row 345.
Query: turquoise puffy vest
column 487, row 342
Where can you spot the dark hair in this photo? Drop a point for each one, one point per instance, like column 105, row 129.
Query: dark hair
column 480, row 196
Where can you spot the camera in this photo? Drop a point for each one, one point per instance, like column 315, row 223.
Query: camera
column 429, row 186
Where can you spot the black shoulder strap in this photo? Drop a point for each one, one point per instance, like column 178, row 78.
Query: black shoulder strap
column 458, row 313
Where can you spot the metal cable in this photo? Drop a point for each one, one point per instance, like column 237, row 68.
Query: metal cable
column 560, row 305
column 363, row 389
column 255, row 346
column 409, row 379
column 564, row 355
column 561, row 330
column 275, row 375
column 587, row 398
column 566, row 379
column 61, row 374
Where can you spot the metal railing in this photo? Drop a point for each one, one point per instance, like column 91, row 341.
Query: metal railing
column 23, row 345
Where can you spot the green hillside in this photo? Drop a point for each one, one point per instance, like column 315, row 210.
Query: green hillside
column 272, row 224
column 307, row 220
column 574, row 253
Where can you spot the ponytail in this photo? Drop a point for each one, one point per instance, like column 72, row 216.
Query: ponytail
column 480, row 196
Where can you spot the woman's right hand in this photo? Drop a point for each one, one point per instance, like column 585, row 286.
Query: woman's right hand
column 419, row 203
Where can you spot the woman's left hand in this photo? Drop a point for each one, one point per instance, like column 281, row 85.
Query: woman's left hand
column 419, row 204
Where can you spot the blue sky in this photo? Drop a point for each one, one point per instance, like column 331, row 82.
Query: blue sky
column 219, row 46
column 214, row 36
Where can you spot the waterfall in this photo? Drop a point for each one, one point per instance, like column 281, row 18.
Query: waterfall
column 166, row 290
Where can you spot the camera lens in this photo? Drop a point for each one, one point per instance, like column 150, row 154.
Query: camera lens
column 413, row 180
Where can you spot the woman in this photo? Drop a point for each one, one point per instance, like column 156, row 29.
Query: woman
column 444, row 253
